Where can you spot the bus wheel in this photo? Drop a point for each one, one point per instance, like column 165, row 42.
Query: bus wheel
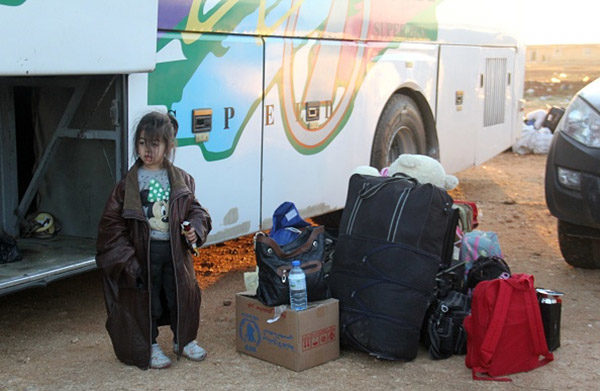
column 400, row 130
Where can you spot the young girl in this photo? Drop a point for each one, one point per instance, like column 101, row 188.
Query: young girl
column 143, row 252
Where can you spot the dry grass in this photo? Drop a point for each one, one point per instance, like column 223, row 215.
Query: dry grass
column 219, row 259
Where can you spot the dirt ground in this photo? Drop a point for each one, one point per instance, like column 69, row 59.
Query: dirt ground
column 54, row 338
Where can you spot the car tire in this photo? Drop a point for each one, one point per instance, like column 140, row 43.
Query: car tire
column 580, row 246
column 400, row 130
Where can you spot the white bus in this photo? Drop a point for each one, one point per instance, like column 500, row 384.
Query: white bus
column 277, row 100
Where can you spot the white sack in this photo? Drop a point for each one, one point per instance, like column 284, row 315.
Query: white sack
column 533, row 141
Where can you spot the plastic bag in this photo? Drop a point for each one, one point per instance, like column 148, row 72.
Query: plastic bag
column 477, row 244
column 533, row 141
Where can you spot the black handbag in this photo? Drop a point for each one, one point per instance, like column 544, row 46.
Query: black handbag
column 274, row 264
column 445, row 334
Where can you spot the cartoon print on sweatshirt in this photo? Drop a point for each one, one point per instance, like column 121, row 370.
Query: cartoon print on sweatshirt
column 155, row 202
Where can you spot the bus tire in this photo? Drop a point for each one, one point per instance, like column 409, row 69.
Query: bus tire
column 400, row 130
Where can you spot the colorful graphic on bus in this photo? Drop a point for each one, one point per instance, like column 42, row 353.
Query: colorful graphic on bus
column 324, row 37
column 12, row 3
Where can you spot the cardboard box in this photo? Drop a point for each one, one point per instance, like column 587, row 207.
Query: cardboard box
column 297, row 340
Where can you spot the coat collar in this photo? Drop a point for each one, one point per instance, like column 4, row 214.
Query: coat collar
column 132, row 204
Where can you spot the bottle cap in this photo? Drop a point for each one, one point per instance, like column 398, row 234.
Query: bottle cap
column 549, row 292
column 295, row 263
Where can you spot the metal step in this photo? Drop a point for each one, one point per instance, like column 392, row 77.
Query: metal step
column 47, row 260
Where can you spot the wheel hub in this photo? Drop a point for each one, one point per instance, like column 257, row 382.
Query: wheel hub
column 402, row 141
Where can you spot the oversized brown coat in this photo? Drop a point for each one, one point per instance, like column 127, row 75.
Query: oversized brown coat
column 122, row 255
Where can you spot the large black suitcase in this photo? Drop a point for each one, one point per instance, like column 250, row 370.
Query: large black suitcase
column 392, row 237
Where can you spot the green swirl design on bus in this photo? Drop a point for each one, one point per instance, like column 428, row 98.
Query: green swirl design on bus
column 12, row 3
column 351, row 65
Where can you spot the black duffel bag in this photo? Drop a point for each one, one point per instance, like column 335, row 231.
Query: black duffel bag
column 399, row 209
column 274, row 263
column 383, row 290
column 393, row 237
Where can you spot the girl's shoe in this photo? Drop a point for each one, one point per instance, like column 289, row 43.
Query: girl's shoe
column 192, row 351
column 158, row 359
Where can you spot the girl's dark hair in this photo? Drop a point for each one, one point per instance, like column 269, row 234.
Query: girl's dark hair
column 174, row 122
column 156, row 126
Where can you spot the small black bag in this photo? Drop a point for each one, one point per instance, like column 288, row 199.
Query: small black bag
column 445, row 334
column 274, row 263
column 487, row 268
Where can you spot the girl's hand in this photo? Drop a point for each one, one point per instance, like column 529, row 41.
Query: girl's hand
column 190, row 234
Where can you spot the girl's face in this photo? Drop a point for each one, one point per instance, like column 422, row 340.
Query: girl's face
column 152, row 152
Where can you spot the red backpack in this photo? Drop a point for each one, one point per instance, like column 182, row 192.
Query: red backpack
column 504, row 331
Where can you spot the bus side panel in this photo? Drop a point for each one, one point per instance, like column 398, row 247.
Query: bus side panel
column 397, row 66
column 219, row 80
column 495, row 135
column 312, row 138
column 479, row 22
column 74, row 37
column 478, row 104
column 389, row 20
column 321, row 111
column 460, row 106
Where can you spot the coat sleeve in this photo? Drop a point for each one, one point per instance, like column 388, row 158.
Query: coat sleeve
column 115, row 253
column 197, row 215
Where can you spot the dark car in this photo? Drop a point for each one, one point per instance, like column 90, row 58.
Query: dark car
column 573, row 179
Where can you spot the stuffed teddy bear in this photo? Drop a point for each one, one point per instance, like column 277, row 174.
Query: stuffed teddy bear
column 425, row 169
column 366, row 170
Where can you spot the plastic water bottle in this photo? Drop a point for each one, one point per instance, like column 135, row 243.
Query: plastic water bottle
column 297, row 280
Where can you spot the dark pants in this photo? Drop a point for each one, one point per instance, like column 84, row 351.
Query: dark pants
column 162, row 282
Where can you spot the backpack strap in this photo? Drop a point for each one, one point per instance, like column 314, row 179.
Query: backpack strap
column 494, row 331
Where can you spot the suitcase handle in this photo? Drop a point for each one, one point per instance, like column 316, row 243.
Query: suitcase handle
column 311, row 241
column 398, row 177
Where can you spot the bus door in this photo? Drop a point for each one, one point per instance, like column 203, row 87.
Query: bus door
column 495, row 83
column 459, row 106
column 475, row 103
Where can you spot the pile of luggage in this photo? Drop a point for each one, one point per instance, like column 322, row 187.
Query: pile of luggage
column 409, row 268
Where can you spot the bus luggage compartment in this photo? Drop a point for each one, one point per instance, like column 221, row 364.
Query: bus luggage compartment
column 62, row 150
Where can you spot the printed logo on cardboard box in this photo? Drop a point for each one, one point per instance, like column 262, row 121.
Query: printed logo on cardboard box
column 250, row 334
